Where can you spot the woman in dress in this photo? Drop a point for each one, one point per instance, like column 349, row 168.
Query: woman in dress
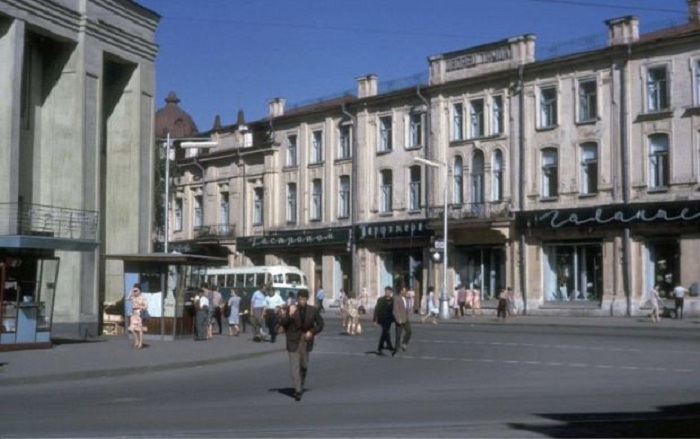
column 234, row 305
column 431, row 306
column 655, row 299
column 136, row 323
column 352, row 326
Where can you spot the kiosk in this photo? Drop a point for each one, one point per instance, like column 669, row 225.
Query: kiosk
column 168, row 281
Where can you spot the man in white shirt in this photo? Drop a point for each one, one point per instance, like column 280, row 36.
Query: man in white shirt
column 257, row 307
column 679, row 293
column 273, row 305
column 203, row 324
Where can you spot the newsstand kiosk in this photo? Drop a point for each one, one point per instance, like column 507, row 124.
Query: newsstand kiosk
column 168, row 281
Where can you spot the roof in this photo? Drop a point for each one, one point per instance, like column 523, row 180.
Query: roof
column 174, row 120
column 168, row 259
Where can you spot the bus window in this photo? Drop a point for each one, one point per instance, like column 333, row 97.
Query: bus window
column 294, row 279
column 249, row 280
column 229, row 280
column 239, row 280
column 211, row 280
column 278, row 278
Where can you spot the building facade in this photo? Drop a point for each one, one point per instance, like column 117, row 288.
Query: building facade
column 574, row 179
column 76, row 123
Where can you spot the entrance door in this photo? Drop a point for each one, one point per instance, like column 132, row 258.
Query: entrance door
column 663, row 265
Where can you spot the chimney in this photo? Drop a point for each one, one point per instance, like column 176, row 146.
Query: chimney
column 694, row 11
column 276, row 107
column 367, row 86
column 623, row 30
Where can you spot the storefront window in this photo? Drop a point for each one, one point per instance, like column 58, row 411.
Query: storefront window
column 573, row 272
column 481, row 269
column 662, row 266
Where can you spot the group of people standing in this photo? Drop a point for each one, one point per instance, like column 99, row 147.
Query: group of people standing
column 393, row 309
column 678, row 294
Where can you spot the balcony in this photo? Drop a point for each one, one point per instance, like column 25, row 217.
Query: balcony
column 26, row 219
column 215, row 231
column 473, row 211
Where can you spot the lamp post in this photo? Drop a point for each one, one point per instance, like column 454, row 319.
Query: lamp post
column 186, row 143
column 444, row 300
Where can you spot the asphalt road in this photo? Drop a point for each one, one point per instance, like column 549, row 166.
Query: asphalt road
column 453, row 381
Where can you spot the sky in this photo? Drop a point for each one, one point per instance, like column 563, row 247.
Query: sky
column 222, row 56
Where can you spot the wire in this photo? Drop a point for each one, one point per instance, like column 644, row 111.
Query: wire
column 608, row 6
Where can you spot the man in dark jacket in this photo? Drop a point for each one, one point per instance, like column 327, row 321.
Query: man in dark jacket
column 302, row 322
column 384, row 317
column 244, row 308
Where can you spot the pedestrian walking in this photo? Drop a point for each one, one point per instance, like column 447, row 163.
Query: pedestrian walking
column 679, row 293
column 502, row 308
column 510, row 295
column 461, row 299
column 302, row 323
column 655, row 300
column 352, row 325
column 476, row 301
column 139, row 304
column 257, row 308
column 203, row 320
column 234, row 304
column 273, row 304
column 384, row 317
column 320, row 297
column 217, row 305
column 431, row 306
column 402, row 320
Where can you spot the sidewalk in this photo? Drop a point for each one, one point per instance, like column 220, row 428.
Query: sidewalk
column 111, row 356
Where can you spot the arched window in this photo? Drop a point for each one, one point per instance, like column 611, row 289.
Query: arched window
column 478, row 177
column 458, row 174
column 497, row 176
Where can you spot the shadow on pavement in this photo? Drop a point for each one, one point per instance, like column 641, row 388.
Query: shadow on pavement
column 675, row 421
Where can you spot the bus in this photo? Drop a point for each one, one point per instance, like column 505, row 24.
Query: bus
column 285, row 278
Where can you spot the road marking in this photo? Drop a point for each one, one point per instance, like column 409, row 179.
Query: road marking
column 511, row 362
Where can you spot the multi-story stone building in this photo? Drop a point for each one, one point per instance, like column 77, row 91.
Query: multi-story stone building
column 573, row 179
column 76, row 128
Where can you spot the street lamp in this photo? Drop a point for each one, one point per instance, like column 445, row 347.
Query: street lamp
column 187, row 143
column 444, row 300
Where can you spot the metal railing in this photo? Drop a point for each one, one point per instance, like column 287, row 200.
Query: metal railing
column 44, row 220
column 216, row 230
column 467, row 211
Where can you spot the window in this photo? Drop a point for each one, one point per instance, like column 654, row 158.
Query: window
column 497, row 115
column 658, row 161
column 497, row 176
column 550, row 172
column 414, row 188
column 292, row 151
column 198, row 212
column 457, row 122
column 587, row 100
column 316, row 147
column 697, row 83
column 385, row 192
column 458, row 174
column 385, row 134
column 478, row 177
column 589, row 168
column 178, row 214
column 316, row 200
column 657, row 89
column 415, row 130
column 223, row 211
column 344, row 142
column 258, row 204
column 344, row 197
column 573, row 273
column 476, row 118
column 548, row 107
column 291, row 202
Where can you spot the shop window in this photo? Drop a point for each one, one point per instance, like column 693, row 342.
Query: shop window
column 481, row 270
column 573, row 273
column 663, row 266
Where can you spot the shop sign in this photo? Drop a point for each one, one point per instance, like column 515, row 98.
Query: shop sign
column 293, row 239
column 470, row 60
column 612, row 215
column 403, row 229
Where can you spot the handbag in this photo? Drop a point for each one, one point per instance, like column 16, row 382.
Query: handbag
column 144, row 315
